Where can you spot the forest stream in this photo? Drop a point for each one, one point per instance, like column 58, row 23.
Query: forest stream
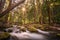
column 16, row 34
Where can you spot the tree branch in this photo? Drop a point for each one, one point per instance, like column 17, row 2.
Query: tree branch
column 10, row 8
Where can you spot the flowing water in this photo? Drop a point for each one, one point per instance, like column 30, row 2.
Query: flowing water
column 17, row 35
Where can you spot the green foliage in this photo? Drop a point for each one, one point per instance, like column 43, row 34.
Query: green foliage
column 58, row 1
column 31, row 14
column 57, row 18
column 56, row 13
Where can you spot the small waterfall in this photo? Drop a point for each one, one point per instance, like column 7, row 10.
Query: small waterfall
column 27, row 31
column 9, row 29
column 6, row 30
column 17, row 34
column 43, row 32
column 25, row 35
column 15, row 29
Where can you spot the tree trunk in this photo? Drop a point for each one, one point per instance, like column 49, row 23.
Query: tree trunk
column 2, row 2
column 49, row 12
column 41, row 16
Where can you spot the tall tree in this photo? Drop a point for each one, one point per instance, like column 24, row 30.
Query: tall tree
column 41, row 16
column 49, row 11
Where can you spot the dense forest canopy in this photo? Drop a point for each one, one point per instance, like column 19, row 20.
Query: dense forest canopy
column 30, row 11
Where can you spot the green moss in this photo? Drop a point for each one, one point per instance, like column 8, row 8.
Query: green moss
column 43, row 27
column 58, row 34
column 32, row 29
column 4, row 35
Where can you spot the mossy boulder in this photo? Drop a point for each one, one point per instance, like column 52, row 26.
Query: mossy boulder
column 43, row 27
column 23, row 29
column 32, row 29
column 4, row 35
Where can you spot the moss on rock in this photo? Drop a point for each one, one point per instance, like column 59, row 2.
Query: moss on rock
column 23, row 29
column 32, row 29
column 4, row 35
